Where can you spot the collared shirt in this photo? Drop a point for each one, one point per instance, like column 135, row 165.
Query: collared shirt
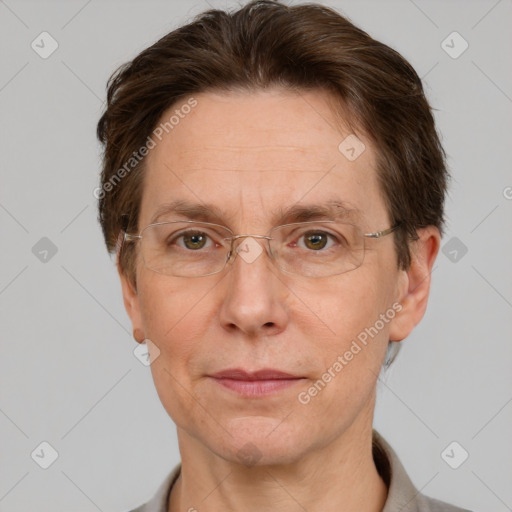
column 402, row 494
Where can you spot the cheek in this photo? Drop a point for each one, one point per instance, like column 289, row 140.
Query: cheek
column 175, row 318
column 346, row 322
column 350, row 351
column 340, row 308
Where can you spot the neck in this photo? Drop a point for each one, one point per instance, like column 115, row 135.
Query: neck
column 339, row 477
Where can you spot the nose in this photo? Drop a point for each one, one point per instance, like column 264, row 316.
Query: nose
column 254, row 295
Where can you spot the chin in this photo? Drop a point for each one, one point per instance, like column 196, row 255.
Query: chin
column 262, row 441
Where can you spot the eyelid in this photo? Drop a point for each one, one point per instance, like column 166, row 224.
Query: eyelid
column 191, row 229
column 294, row 236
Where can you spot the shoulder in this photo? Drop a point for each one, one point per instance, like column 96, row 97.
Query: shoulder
column 402, row 494
column 427, row 504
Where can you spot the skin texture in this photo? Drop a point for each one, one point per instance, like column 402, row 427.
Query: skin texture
column 250, row 153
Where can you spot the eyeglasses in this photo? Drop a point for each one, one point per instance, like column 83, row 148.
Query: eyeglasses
column 197, row 249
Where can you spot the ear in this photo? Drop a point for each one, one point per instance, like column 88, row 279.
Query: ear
column 413, row 295
column 131, row 304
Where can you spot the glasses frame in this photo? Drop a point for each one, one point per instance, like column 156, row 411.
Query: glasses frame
column 132, row 237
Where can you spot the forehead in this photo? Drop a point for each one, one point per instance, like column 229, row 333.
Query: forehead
column 253, row 154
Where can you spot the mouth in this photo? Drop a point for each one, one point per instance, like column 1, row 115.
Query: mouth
column 255, row 384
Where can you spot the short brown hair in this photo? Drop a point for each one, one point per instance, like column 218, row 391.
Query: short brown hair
column 265, row 44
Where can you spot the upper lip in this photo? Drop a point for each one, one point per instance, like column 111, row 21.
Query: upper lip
column 263, row 374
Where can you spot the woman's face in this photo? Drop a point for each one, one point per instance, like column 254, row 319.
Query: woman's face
column 249, row 155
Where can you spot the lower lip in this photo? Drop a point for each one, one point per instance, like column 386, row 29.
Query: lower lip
column 256, row 388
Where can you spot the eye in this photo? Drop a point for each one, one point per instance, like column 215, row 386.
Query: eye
column 192, row 240
column 316, row 240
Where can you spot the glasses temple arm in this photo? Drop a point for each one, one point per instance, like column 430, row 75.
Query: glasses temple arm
column 384, row 232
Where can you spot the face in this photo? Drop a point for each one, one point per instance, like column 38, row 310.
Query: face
column 249, row 155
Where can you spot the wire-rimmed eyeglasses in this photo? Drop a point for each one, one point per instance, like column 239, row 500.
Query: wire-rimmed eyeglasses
column 186, row 248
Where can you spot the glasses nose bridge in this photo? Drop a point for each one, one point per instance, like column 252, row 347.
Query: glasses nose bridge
column 233, row 239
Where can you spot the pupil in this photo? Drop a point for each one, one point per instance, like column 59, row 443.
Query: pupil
column 197, row 239
column 316, row 241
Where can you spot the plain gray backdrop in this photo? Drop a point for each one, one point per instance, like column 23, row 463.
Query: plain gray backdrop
column 68, row 373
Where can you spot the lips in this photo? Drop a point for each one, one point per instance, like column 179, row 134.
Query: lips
column 256, row 384
column 264, row 374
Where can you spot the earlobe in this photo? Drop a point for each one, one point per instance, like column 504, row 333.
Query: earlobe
column 138, row 336
column 415, row 290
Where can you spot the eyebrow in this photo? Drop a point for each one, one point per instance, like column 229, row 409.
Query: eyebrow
column 333, row 208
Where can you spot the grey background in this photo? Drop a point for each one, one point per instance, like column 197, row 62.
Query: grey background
column 68, row 373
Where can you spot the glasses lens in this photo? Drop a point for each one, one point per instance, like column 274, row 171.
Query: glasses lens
column 313, row 249
column 317, row 249
column 185, row 249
